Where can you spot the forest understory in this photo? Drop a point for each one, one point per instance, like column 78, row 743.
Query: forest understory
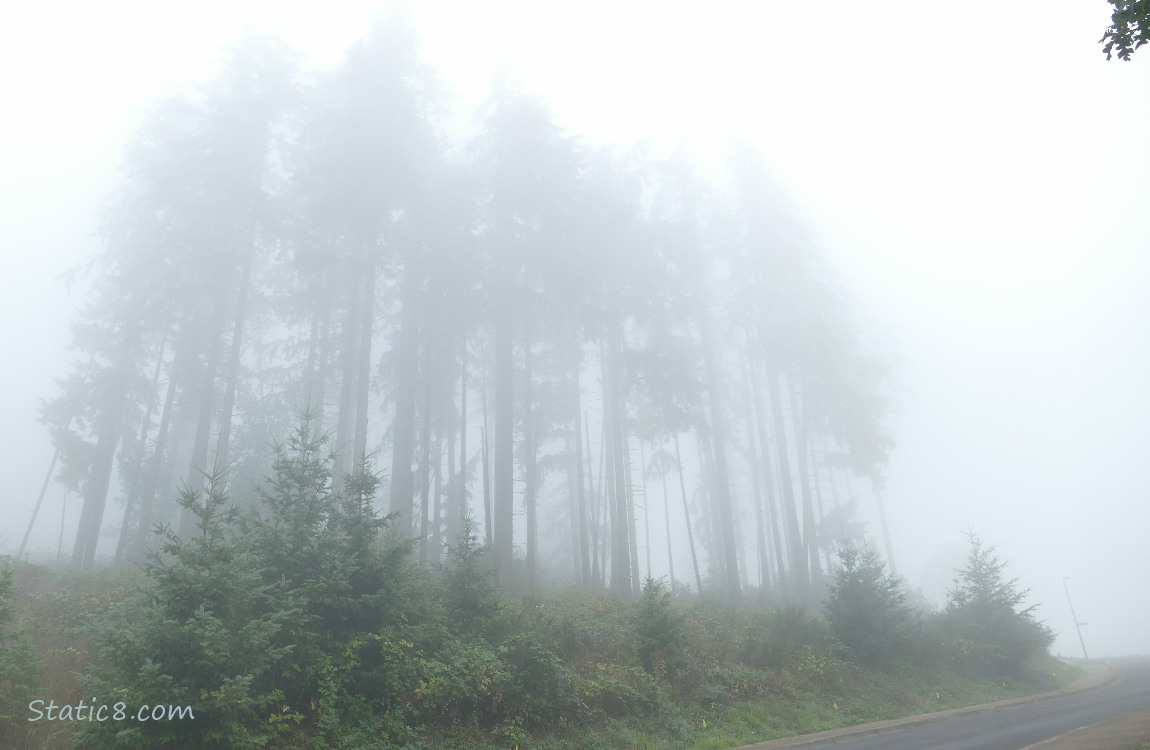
column 566, row 674
column 389, row 439
column 303, row 620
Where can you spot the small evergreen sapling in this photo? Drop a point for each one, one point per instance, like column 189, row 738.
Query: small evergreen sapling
column 984, row 618
column 866, row 608
column 201, row 632
column 660, row 636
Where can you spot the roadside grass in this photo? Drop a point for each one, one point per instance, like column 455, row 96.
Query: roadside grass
column 853, row 697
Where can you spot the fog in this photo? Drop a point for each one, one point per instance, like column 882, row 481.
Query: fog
column 976, row 177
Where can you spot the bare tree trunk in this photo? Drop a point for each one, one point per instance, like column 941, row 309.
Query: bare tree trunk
column 96, row 488
column 595, row 487
column 621, row 581
column 798, row 572
column 772, row 514
column 632, row 526
column 885, row 529
column 667, row 512
column 810, row 528
column 818, row 461
column 39, row 502
column 646, row 507
column 425, row 457
column 573, row 509
column 228, row 407
column 124, row 543
column 530, row 474
column 764, row 562
column 451, row 519
column 719, row 445
column 435, row 542
column 178, row 455
column 488, row 522
column 345, row 419
column 198, row 468
column 611, row 493
column 578, row 487
column 504, row 445
column 461, row 490
column 63, row 518
column 319, row 356
column 407, row 379
column 155, row 467
column 708, row 532
column 687, row 516
column 95, row 495
column 312, row 366
column 363, row 354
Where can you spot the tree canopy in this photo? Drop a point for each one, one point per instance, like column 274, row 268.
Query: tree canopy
column 510, row 322
column 1128, row 30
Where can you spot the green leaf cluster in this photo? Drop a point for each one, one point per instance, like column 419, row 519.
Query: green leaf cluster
column 1128, row 30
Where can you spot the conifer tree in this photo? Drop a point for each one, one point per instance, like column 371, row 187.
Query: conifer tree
column 985, row 612
column 866, row 607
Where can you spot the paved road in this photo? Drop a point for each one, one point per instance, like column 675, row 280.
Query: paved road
column 1121, row 733
column 1002, row 728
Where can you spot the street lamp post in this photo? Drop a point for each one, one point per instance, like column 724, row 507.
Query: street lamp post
column 1077, row 625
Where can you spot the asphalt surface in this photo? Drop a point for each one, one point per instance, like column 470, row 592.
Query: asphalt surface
column 1107, row 709
column 1122, row 733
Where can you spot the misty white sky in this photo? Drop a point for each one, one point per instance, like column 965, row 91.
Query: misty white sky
column 978, row 172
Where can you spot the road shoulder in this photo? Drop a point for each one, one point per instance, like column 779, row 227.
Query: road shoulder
column 1095, row 674
column 1120, row 733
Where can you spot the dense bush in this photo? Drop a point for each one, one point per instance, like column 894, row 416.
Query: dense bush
column 584, row 627
column 783, row 638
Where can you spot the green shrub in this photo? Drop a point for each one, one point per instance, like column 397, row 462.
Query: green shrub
column 20, row 668
column 616, row 690
column 781, row 639
column 463, row 682
column 541, row 690
column 583, row 627
column 733, row 683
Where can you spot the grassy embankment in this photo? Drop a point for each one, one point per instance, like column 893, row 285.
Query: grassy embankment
column 719, row 679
